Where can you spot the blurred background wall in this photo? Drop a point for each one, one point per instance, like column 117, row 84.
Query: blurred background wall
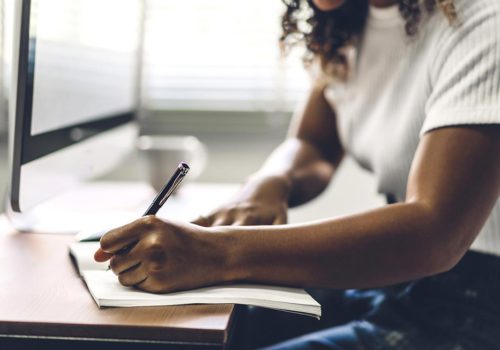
column 213, row 69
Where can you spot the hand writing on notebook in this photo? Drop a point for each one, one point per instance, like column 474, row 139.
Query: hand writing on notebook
column 261, row 201
column 162, row 256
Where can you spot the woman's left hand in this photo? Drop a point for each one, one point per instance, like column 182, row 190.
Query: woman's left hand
column 162, row 256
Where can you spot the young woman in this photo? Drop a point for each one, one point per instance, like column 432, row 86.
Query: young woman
column 411, row 90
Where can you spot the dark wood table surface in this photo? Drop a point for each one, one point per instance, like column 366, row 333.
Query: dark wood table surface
column 42, row 296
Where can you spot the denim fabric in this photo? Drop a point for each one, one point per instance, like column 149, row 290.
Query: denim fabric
column 456, row 310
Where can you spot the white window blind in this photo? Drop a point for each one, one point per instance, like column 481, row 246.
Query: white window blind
column 218, row 55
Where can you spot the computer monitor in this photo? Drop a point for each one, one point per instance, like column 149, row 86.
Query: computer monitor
column 74, row 94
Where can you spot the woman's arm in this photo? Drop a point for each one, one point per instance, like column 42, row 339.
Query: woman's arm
column 312, row 152
column 453, row 185
column 297, row 171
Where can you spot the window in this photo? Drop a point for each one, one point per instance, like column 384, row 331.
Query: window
column 207, row 57
column 218, row 55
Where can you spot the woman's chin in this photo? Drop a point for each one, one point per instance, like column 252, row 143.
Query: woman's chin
column 328, row 5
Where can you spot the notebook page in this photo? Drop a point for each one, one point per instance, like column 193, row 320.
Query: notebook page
column 107, row 291
column 84, row 256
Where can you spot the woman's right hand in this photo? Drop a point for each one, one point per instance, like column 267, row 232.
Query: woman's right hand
column 259, row 202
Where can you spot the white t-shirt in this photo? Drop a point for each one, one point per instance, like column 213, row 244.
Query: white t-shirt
column 402, row 87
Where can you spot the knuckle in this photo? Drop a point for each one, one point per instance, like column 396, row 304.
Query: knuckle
column 153, row 241
column 150, row 222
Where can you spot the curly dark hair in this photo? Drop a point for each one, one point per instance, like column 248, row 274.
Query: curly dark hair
column 327, row 34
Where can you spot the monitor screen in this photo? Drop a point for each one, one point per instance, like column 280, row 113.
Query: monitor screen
column 82, row 52
column 76, row 80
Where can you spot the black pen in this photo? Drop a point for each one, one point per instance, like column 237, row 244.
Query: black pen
column 160, row 199
column 164, row 194
column 168, row 189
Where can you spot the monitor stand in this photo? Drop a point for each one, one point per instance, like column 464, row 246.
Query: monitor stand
column 87, row 205
column 96, row 207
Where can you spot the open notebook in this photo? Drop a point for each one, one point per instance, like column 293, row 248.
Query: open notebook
column 107, row 291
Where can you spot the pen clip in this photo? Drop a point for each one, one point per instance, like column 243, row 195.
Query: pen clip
column 176, row 183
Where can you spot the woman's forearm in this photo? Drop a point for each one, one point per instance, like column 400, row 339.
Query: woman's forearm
column 298, row 171
column 451, row 193
column 305, row 162
column 381, row 247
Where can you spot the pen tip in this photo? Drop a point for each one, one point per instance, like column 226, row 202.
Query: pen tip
column 184, row 165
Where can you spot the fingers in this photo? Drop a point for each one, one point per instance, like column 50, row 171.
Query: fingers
column 223, row 221
column 238, row 222
column 149, row 285
column 123, row 236
column 281, row 219
column 133, row 276
column 125, row 259
column 101, row 256
column 246, row 220
column 226, row 218
column 250, row 219
column 205, row 221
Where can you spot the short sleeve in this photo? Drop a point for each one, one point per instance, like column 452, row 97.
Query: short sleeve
column 465, row 82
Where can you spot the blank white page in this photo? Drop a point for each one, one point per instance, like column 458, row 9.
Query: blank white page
column 107, row 291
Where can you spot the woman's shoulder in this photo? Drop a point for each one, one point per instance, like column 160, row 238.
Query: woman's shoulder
column 469, row 12
column 475, row 22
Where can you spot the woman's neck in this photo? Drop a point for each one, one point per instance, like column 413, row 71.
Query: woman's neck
column 383, row 3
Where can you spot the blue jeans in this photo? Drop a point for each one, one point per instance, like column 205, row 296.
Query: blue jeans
column 456, row 310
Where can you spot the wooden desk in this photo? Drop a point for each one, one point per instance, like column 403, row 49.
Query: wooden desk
column 41, row 295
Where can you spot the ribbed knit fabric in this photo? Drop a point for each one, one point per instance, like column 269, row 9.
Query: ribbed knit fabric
column 403, row 87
